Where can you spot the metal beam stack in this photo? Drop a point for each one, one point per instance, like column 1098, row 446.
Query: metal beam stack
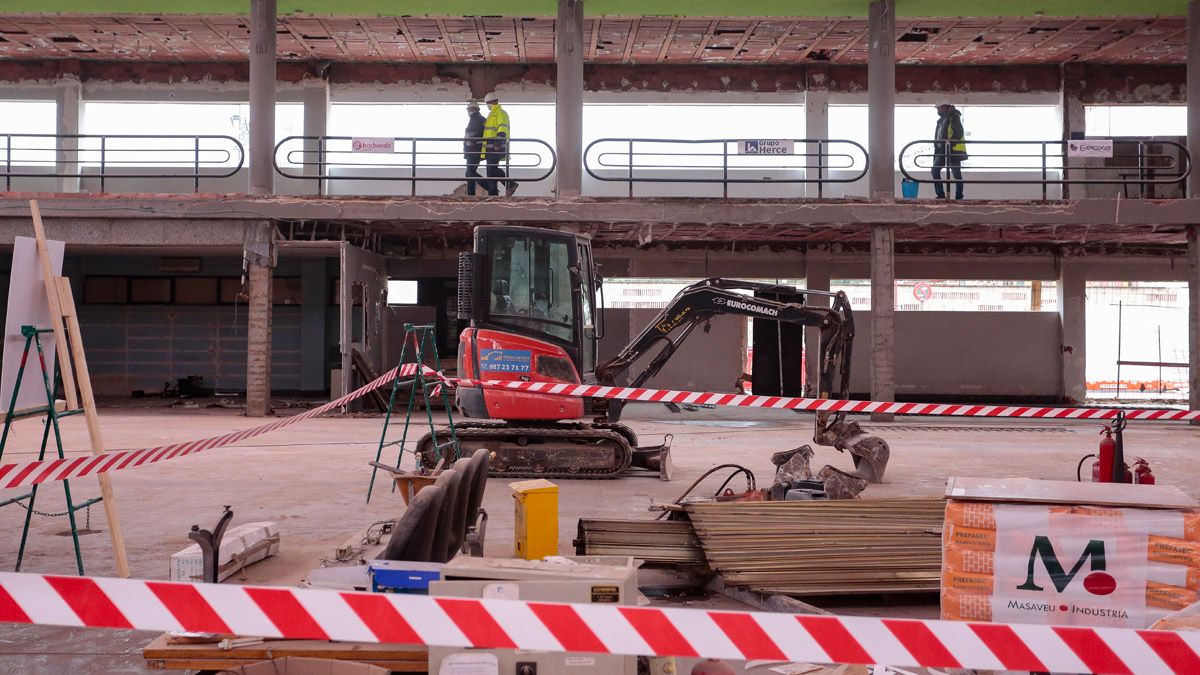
column 824, row 547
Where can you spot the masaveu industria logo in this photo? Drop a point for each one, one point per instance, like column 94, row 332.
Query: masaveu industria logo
column 1097, row 581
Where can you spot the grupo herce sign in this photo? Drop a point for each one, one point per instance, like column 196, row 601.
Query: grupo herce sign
column 1102, row 148
column 372, row 144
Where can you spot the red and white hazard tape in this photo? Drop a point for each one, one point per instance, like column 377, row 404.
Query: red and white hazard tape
column 23, row 474
column 642, row 395
column 588, row 628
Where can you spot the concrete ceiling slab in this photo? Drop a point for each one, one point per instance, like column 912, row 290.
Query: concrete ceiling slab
column 524, row 38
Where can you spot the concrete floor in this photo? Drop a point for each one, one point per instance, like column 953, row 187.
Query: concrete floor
column 312, row 478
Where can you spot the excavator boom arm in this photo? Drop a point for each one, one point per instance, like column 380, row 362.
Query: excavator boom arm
column 703, row 300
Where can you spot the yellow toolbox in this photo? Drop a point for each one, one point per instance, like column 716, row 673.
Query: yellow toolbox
column 536, row 526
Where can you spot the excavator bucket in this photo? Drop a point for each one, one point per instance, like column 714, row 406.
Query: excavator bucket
column 871, row 454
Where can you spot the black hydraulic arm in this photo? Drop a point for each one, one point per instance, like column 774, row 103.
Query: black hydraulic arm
column 703, row 300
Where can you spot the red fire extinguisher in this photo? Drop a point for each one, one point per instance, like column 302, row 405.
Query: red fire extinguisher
column 1102, row 468
column 1141, row 472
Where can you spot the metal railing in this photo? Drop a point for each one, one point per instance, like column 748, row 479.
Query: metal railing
column 424, row 159
column 113, row 156
column 725, row 161
column 1056, row 161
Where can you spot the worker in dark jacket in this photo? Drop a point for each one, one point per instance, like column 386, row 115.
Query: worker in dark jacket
column 949, row 150
column 473, row 146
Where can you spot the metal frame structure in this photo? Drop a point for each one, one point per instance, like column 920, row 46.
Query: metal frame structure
column 33, row 340
column 450, row 147
column 1157, row 168
column 103, row 157
column 816, row 148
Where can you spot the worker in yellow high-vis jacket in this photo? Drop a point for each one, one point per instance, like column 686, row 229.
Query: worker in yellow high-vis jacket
column 495, row 147
column 949, row 150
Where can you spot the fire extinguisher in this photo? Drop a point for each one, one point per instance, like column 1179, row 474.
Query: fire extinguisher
column 1110, row 466
column 1142, row 475
column 1102, row 468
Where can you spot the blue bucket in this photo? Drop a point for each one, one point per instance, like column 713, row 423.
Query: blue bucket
column 909, row 188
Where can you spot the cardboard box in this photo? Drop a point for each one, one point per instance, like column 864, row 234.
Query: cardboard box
column 241, row 546
column 1067, row 553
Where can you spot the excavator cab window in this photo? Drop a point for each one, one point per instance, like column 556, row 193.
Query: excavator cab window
column 531, row 285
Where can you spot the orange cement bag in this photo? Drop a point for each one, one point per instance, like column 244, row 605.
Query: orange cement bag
column 1029, row 563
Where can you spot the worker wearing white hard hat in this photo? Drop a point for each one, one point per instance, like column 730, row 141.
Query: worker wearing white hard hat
column 496, row 132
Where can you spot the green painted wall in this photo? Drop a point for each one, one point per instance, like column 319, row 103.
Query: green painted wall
column 797, row 8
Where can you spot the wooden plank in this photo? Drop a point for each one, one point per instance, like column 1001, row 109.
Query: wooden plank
column 1029, row 490
column 225, row 664
column 88, row 398
column 56, row 322
column 368, row 374
column 160, row 648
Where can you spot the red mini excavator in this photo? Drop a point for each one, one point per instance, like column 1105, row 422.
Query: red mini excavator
column 531, row 297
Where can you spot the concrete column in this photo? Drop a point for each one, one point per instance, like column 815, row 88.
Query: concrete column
column 68, row 97
column 259, row 258
column 1072, row 310
column 816, row 127
column 883, row 316
column 568, row 97
column 1193, row 96
column 1193, row 271
column 262, row 96
column 817, row 269
column 316, row 123
column 881, row 98
column 1074, row 125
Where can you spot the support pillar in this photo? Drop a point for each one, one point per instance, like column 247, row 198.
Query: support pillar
column 68, row 98
column 1074, row 121
column 1193, row 278
column 817, row 270
column 1193, row 96
column 883, row 317
column 316, row 123
column 1072, row 311
column 881, row 98
column 816, row 127
column 259, row 258
column 262, row 96
column 568, row 97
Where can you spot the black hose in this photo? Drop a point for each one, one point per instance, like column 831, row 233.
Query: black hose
column 749, row 479
column 738, row 468
column 1079, row 469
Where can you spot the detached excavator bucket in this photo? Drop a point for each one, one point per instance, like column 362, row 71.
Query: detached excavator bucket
column 871, row 454
column 655, row 458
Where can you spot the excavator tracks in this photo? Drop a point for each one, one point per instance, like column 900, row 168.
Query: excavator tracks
column 540, row 451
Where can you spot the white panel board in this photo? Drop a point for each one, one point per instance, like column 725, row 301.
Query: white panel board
column 27, row 306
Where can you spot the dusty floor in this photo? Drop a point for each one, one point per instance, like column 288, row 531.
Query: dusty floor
column 312, row 478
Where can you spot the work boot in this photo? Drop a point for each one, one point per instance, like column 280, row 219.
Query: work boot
column 510, row 187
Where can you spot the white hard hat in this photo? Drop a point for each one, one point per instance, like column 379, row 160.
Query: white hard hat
column 493, row 96
column 472, row 105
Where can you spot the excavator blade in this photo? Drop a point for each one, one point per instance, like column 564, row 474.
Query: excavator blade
column 655, row 458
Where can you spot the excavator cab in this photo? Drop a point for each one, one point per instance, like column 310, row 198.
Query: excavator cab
column 530, row 297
